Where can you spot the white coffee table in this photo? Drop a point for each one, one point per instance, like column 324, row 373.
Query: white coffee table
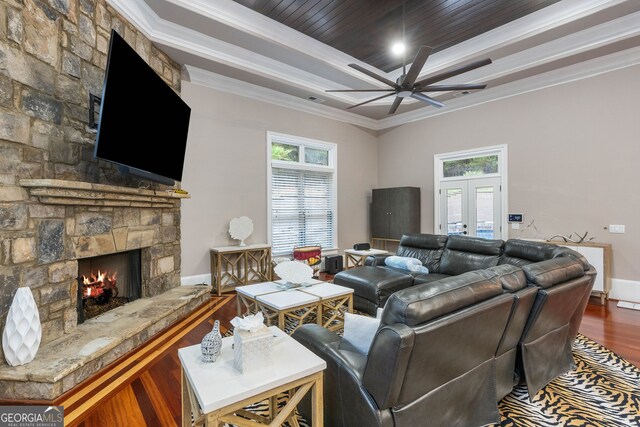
column 334, row 301
column 326, row 301
column 292, row 305
column 351, row 256
column 215, row 392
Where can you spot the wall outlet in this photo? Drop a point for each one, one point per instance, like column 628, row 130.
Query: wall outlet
column 515, row 225
column 613, row 228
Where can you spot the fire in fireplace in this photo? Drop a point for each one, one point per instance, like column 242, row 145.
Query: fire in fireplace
column 100, row 287
column 107, row 282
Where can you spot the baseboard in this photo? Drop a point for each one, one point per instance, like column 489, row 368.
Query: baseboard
column 196, row 280
column 625, row 290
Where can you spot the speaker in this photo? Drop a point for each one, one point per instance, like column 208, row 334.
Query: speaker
column 333, row 264
column 361, row 247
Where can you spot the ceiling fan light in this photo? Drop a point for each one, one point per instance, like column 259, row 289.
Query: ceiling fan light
column 398, row 48
column 404, row 93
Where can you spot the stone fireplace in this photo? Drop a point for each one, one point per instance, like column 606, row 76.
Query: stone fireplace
column 77, row 229
column 59, row 205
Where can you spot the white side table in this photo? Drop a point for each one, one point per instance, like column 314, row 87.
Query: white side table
column 216, row 392
column 357, row 257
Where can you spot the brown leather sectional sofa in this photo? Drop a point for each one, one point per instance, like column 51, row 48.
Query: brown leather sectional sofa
column 453, row 342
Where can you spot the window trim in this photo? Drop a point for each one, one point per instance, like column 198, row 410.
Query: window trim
column 300, row 165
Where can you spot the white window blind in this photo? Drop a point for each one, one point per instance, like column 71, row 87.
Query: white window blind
column 302, row 209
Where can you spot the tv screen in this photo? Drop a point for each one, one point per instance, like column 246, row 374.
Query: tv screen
column 143, row 123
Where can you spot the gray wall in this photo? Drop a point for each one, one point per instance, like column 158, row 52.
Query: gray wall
column 226, row 170
column 573, row 158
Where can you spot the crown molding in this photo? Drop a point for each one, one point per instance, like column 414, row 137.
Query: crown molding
column 228, row 12
column 236, row 87
column 233, row 14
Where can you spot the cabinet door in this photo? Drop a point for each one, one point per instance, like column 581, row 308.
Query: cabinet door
column 595, row 256
column 404, row 208
column 380, row 213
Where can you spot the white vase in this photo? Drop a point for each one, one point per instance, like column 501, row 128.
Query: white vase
column 22, row 331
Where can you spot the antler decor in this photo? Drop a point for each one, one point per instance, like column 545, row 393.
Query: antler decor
column 579, row 239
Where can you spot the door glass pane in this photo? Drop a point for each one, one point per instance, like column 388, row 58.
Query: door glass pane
column 484, row 212
column 454, row 211
column 316, row 157
column 470, row 167
column 285, row 152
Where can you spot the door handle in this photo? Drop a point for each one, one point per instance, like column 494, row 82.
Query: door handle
column 464, row 232
column 464, row 225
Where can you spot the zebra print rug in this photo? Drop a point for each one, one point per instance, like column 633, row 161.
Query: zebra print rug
column 602, row 391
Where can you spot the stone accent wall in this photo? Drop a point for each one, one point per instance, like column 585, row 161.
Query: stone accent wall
column 53, row 54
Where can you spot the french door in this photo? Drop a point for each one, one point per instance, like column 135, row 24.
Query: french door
column 471, row 207
column 470, row 192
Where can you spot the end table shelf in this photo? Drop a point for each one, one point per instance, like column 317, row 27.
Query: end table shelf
column 233, row 266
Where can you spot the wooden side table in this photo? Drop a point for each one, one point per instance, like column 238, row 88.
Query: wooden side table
column 216, row 393
column 233, row 266
column 356, row 258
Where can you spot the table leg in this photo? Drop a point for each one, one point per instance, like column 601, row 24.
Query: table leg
column 281, row 320
column 317, row 410
column 350, row 303
column 186, row 405
column 273, row 407
column 319, row 312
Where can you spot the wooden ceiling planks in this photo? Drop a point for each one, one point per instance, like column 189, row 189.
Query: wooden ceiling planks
column 365, row 29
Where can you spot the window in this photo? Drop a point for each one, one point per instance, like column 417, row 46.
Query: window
column 302, row 193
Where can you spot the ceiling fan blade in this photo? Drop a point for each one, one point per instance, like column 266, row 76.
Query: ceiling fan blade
column 360, row 90
column 441, row 88
column 424, row 98
column 395, row 105
column 418, row 63
column 372, row 74
column 371, row 100
column 452, row 73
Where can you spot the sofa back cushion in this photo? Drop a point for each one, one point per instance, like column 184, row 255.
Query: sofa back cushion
column 463, row 254
column 547, row 273
column 428, row 248
column 510, row 277
column 522, row 252
column 422, row 303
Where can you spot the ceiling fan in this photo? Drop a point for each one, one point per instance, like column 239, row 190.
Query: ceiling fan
column 406, row 86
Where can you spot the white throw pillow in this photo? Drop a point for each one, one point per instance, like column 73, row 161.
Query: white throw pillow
column 360, row 331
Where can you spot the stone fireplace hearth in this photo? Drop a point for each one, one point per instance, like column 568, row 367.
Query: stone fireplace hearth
column 67, row 223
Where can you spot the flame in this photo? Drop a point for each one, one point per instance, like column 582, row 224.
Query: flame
column 94, row 285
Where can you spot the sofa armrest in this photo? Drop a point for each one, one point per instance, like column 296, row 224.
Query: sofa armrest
column 346, row 402
column 375, row 260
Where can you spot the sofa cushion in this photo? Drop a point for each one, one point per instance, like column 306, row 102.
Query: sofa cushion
column 563, row 251
column 551, row 272
column 373, row 283
column 463, row 254
column 428, row 278
column 522, row 252
column 419, row 304
column 512, row 278
column 427, row 248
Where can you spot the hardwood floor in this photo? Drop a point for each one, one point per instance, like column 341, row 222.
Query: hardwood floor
column 151, row 396
column 618, row 329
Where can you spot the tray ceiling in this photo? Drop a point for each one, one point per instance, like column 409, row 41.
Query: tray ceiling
column 236, row 46
column 365, row 29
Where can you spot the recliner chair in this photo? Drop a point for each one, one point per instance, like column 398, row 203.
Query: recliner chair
column 432, row 358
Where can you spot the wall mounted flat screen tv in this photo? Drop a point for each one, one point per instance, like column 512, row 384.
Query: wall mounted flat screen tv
column 143, row 123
